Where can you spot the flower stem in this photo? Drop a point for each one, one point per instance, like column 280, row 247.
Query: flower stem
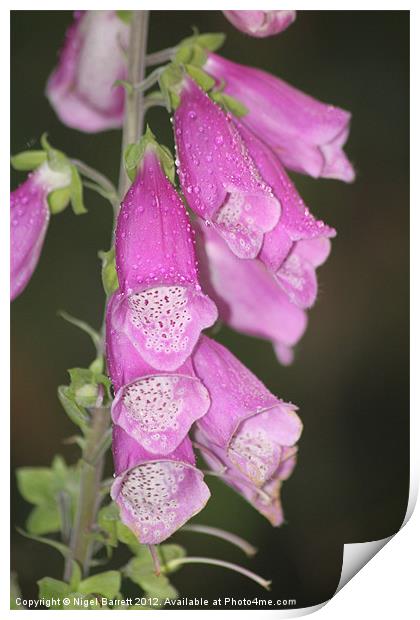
column 239, row 542
column 172, row 564
column 92, row 463
column 158, row 58
column 89, row 496
column 134, row 111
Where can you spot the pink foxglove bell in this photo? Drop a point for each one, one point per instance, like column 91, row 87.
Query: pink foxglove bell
column 218, row 177
column 261, row 23
column 249, row 297
column 81, row 89
column 160, row 304
column 29, row 217
column 247, row 429
column 307, row 135
column 156, row 494
column 156, row 409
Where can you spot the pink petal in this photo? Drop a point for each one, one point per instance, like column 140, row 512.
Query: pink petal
column 218, row 177
column 235, row 392
column 164, row 322
column 248, row 296
column 29, row 217
column 297, row 275
column 156, row 495
column 81, row 89
column 306, row 134
column 161, row 307
column 296, row 222
column 158, row 410
column 261, row 23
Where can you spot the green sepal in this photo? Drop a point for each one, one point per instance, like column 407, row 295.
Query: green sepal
column 231, row 104
column 191, row 54
column 135, row 153
column 84, row 385
column 76, row 192
column 57, row 161
column 108, row 584
column 77, row 414
column 109, row 271
column 28, row 160
column 170, row 83
column 210, row 41
column 59, row 199
column 203, row 79
column 125, row 16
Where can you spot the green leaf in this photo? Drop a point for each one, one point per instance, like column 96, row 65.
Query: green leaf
column 28, row 160
column 42, row 486
column 15, row 592
column 76, row 576
column 109, row 271
column 63, row 549
column 108, row 584
column 108, row 518
column 230, row 103
column 44, row 519
column 58, row 200
column 76, row 192
column 203, row 79
column 76, row 413
column 142, row 573
column 35, row 484
column 49, row 588
column 125, row 16
column 85, row 327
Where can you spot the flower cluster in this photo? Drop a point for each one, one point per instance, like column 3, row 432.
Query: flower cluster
column 247, row 252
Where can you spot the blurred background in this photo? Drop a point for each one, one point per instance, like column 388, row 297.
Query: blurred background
column 350, row 377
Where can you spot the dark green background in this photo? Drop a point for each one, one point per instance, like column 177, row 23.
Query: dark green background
column 350, row 378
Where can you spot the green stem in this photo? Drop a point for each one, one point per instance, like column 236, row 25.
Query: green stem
column 134, row 111
column 172, row 564
column 92, row 464
column 89, row 496
column 239, row 542
column 158, row 58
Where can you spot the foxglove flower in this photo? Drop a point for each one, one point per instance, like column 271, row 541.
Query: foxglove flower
column 249, row 297
column 29, row 217
column 81, row 89
column 155, row 409
column 218, row 177
column 248, row 423
column 160, row 305
column 297, row 274
column 156, row 494
column 266, row 498
column 307, row 135
column 299, row 242
column 261, row 23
